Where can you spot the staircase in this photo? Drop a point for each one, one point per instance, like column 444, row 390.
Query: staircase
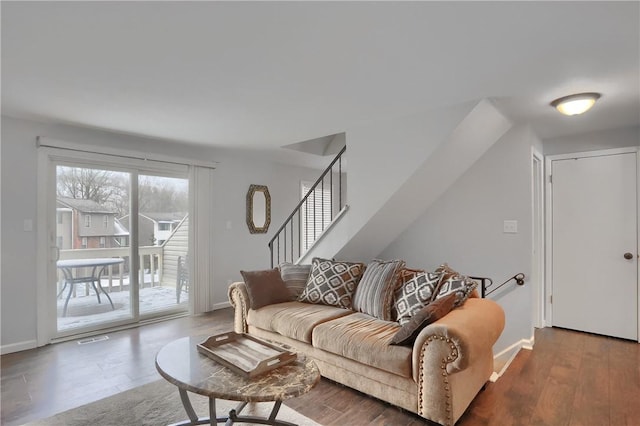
column 397, row 169
column 322, row 205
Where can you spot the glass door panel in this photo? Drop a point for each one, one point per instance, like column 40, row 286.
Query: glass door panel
column 163, row 235
column 93, row 280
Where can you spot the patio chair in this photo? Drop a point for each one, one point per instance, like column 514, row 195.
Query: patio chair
column 182, row 276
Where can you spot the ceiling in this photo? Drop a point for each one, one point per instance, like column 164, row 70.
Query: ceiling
column 261, row 75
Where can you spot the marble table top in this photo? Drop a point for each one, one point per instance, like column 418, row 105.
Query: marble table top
column 180, row 363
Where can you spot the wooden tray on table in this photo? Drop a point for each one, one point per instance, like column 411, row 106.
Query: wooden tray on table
column 245, row 354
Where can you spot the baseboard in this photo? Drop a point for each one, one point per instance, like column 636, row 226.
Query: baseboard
column 221, row 305
column 17, row 347
column 504, row 358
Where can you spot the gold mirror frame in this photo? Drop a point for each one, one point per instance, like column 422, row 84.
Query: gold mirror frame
column 254, row 190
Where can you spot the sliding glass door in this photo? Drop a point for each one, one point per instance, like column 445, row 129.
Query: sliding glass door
column 120, row 235
column 93, row 251
column 163, row 229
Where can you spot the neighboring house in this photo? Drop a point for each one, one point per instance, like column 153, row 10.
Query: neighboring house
column 164, row 224
column 155, row 228
column 84, row 224
column 176, row 245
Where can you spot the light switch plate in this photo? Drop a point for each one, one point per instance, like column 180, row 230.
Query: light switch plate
column 510, row 227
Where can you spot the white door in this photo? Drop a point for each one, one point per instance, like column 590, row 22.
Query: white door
column 594, row 224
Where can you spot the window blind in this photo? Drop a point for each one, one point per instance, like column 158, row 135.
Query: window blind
column 316, row 213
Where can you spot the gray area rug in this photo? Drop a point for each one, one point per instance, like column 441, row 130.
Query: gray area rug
column 157, row 403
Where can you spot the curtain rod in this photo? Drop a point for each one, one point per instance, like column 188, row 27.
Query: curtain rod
column 46, row 142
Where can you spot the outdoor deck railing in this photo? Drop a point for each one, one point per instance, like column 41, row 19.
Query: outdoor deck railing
column 151, row 259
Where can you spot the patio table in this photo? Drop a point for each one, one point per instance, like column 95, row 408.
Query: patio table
column 97, row 265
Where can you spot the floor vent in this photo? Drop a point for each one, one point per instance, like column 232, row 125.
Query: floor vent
column 92, row 340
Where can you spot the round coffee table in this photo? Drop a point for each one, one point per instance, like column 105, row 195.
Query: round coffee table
column 180, row 363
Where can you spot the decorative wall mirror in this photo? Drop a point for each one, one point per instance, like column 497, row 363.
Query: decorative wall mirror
column 258, row 209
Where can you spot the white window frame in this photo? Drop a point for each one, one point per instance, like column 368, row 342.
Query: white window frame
column 87, row 220
column 84, row 242
column 105, row 221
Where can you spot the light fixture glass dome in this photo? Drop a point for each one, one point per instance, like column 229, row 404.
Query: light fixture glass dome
column 575, row 104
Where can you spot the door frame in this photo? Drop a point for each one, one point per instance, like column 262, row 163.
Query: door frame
column 48, row 158
column 538, row 236
column 548, row 318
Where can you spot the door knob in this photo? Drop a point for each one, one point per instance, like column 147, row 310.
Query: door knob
column 628, row 256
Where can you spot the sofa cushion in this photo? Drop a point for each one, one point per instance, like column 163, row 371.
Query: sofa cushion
column 414, row 294
column 295, row 320
column 374, row 294
column 364, row 339
column 453, row 282
column 295, row 277
column 332, row 282
column 265, row 287
column 425, row 316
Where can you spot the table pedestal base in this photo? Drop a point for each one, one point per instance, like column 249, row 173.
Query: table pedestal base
column 233, row 417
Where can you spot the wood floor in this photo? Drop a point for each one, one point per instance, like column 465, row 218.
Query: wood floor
column 570, row 378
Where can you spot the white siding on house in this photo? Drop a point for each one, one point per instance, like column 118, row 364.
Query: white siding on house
column 176, row 245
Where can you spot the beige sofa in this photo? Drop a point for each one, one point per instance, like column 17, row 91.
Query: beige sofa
column 437, row 378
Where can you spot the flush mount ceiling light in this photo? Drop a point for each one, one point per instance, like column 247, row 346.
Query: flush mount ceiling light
column 575, row 104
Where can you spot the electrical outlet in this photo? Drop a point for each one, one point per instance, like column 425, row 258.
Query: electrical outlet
column 510, row 227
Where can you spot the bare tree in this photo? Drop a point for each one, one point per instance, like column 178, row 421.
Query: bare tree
column 155, row 194
column 111, row 189
column 105, row 187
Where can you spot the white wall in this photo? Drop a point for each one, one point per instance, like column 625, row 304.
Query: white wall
column 381, row 156
column 399, row 166
column 458, row 150
column 464, row 228
column 234, row 248
column 593, row 141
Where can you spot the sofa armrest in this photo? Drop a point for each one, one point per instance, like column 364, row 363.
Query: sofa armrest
column 459, row 344
column 239, row 299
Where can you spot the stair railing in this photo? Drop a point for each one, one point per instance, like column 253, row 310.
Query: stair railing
column 485, row 283
column 311, row 216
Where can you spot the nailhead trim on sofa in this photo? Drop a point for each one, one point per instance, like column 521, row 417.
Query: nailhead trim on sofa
column 445, row 379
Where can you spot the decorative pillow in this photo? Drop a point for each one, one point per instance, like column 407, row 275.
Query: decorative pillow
column 425, row 316
column 407, row 274
column 332, row 282
column 265, row 288
column 453, row 282
column 374, row 295
column 295, row 277
column 415, row 294
column 404, row 276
